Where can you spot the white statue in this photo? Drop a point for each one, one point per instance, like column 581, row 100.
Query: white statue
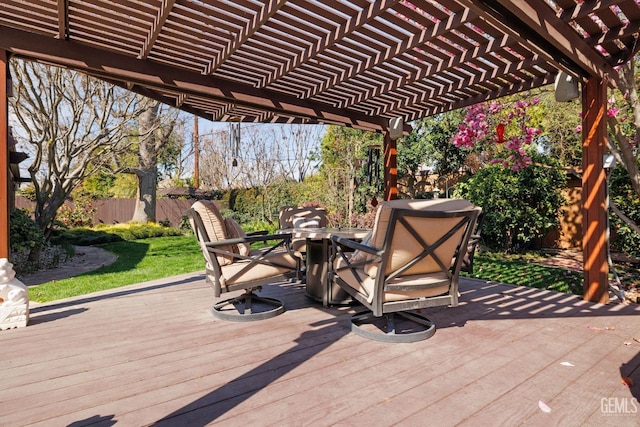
column 14, row 298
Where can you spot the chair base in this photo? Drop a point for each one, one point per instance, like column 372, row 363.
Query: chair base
column 247, row 307
column 411, row 327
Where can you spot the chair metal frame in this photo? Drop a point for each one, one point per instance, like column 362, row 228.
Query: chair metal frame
column 244, row 303
column 474, row 241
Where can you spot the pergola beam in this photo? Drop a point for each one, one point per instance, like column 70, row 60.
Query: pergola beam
column 63, row 19
column 537, row 15
column 470, row 82
column 249, row 30
column 347, row 26
column 390, row 167
column 403, row 46
column 486, row 96
column 127, row 69
column 156, row 28
column 423, row 74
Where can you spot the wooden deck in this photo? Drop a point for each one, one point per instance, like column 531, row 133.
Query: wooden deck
column 152, row 354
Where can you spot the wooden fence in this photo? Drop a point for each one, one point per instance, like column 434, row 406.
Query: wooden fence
column 114, row 211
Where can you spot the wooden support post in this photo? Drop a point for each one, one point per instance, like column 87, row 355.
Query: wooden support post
column 196, row 153
column 4, row 157
column 594, row 220
column 390, row 168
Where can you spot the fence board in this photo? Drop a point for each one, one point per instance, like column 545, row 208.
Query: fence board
column 114, row 211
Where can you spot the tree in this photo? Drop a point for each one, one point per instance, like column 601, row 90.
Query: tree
column 624, row 126
column 72, row 125
column 216, row 168
column 259, row 159
column 155, row 126
column 176, row 153
column 560, row 126
column 430, row 145
column 343, row 153
column 299, row 149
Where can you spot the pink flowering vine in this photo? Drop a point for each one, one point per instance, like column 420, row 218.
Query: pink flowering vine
column 478, row 128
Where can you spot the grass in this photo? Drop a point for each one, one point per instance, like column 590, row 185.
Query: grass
column 159, row 257
column 524, row 271
column 138, row 261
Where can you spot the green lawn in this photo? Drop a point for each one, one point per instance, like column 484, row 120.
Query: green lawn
column 138, row 261
column 159, row 257
column 524, row 271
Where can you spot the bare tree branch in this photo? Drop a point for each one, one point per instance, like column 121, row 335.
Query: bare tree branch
column 72, row 125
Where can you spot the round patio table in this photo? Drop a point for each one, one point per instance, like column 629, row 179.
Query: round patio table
column 318, row 284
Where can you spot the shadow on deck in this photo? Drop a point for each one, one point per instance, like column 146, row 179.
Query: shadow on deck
column 152, row 354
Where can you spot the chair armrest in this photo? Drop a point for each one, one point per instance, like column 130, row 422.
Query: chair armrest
column 249, row 239
column 258, row 233
column 343, row 241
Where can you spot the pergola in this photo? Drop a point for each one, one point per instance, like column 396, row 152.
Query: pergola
column 359, row 63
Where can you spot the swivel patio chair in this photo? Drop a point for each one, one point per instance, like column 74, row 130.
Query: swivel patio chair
column 405, row 266
column 296, row 217
column 232, row 265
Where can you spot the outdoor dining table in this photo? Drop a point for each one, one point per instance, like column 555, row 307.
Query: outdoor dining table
column 318, row 245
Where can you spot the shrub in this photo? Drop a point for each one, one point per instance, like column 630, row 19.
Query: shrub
column 24, row 233
column 106, row 233
column 78, row 214
column 623, row 238
column 519, row 206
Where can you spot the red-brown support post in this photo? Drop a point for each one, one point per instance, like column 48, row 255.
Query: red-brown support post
column 196, row 153
column 390, row 168
column 4, row 157
column 594, row 220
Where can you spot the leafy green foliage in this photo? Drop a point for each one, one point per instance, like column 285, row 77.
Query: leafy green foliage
column 98, row 185
column 561, row 137
column 104, row 233
column 78, row 214
column 348, row 190
column 430, row 144
column 519, row 205
column 24, row 234
column 623, row 238
column 29, row 192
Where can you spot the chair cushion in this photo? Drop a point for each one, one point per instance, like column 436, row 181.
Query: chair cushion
column 235, row 231
column 403, row 250
column 306, row 221
column 439, row 281
column 357, row 255
column 288, row 213
column 257, row 271
column 214, row 226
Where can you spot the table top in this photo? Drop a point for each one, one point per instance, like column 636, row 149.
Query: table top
column 325, row 233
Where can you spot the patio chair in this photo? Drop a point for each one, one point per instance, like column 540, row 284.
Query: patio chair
column 405, row 266
column 291, row 217
column 232, row 265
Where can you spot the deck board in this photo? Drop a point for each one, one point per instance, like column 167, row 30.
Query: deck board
column 152, row 354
